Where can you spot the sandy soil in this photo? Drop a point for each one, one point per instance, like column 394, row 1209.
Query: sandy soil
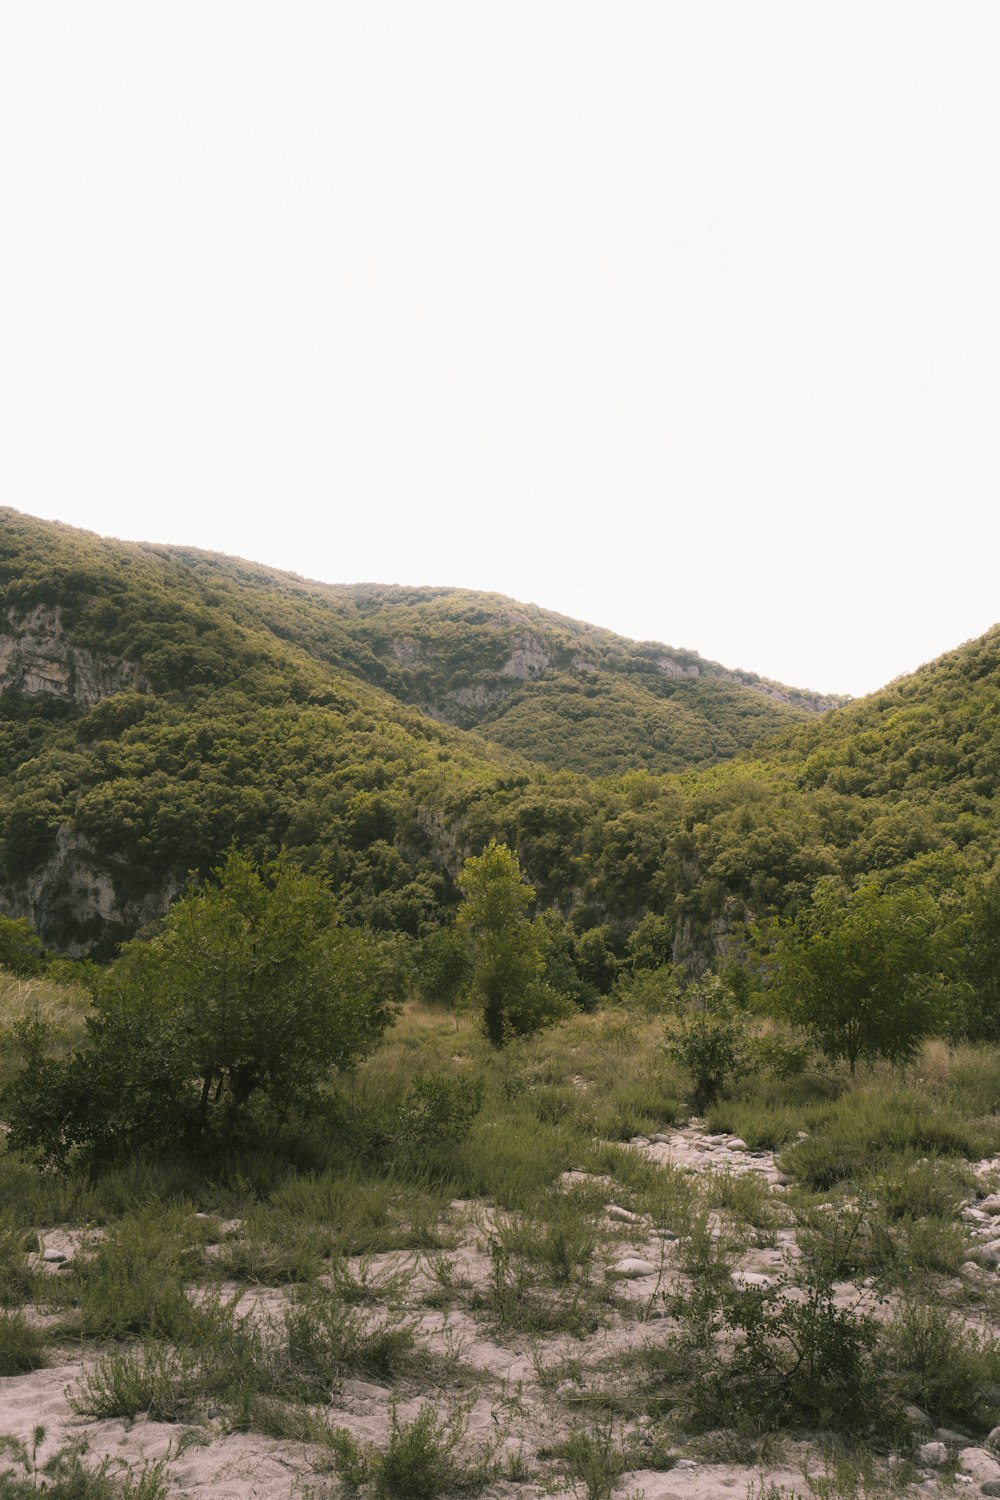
column 507, row 1391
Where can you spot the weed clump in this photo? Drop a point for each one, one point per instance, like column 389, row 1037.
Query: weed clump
column 423, row 1460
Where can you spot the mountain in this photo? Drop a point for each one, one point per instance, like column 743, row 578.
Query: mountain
column 158, row 703
column 566, row 694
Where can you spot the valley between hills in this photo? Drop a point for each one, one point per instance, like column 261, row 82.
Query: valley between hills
column 450, row 1049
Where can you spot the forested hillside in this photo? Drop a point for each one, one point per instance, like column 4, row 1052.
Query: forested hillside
column 160, row 704
column 566, row 694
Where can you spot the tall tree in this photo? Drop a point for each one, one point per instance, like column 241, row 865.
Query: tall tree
column 506, row 947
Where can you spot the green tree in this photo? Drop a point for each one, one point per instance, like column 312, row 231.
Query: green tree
column 442, row 966
column 861, row 970
column 251, row 993
column 981, row 961
column 506, row 947
column 21, row 950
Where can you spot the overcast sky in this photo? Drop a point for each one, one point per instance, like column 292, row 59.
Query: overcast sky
column 681, row 318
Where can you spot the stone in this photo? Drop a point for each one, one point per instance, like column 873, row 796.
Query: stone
column 567, row 1388
column 632, row 1266
column 990, row 1205
column 742, row 1279
column 993, row 1438
column 735, row 1144
column 916, row 1415
column 639, row 1140
column 686, row 1463
column 932, row 1454
column 623, row 1215
column 979, row 1465
column 986, row 1256
column 953, row 1439
column 53, row 1257
column 991, row 1487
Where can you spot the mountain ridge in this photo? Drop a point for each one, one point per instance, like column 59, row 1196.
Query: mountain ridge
column 156, row 706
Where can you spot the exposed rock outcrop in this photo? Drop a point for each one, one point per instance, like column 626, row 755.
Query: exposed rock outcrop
column 37, row 657
column 73, row 898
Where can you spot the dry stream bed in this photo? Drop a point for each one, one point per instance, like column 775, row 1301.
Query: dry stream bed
column 542, row 1344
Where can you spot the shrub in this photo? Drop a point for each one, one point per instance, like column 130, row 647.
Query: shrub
column 153, row 1380
column 710, row 1039
column 440, row 1109
column 944, row 1366
column 251, row 992
column 423, row 1460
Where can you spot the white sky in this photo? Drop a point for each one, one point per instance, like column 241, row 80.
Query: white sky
column 681, row 318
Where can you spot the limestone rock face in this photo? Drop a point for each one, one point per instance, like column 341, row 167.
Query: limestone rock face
column 72, row 896
column 528, row 658
column 37, row 657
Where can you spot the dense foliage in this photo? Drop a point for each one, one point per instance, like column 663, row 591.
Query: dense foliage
column 236, row 1011
column 237, row 704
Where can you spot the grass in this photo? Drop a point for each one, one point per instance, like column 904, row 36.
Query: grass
column 945, row 1367
column 889, row 1151
column 133, row 1281
column 65, row 1476
column 273, row 1246
column 22, row 1346
column 16, row 1277
column 425, row 1459
column 60, row 1008
column 150, row 1380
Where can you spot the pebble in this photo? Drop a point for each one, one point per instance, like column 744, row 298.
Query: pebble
column 742, row 1279
column 735, row 1144
column 623, row 1215
column 566, row 1388
column 633, row 1266
column 933, row 1454
column 686, row 1463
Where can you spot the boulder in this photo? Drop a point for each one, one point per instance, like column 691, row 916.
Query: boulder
column 979, row 1465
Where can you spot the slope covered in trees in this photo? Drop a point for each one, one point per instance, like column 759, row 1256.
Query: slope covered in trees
column 566, row 694
column 159, row 705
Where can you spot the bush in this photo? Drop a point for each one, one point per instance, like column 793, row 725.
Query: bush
column 440, row 1109
column 795, row 1359
column 944, row 1366
column 222, row 1024
column 710, row 1039
column 423, row 1460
